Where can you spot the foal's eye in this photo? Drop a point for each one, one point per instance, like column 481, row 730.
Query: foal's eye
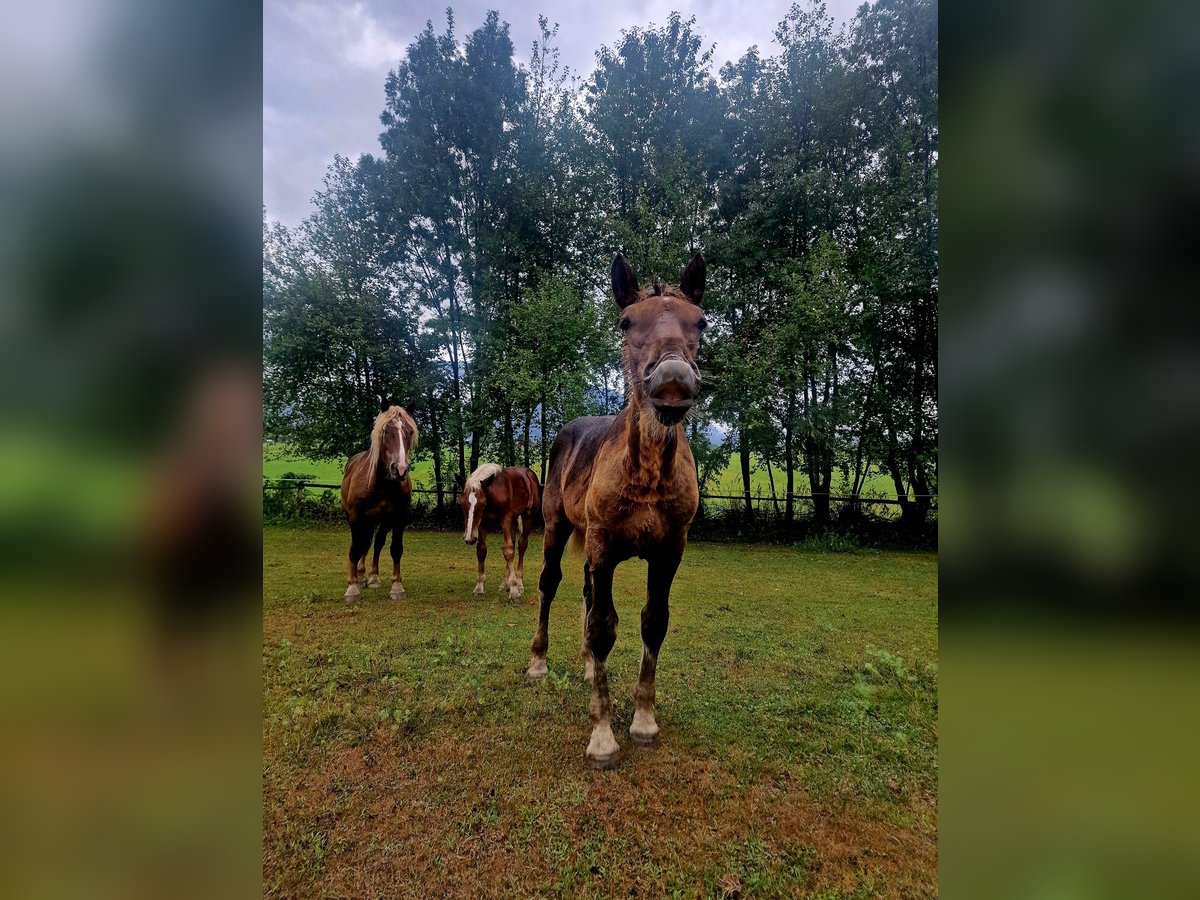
column 625, row 323
column 702, row 324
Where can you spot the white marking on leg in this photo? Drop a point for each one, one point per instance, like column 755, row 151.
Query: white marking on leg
column 603, row 745
column 537, row 668
column 643, row 729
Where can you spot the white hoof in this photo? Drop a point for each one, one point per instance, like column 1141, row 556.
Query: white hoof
column 397, row 592
column 478, row 592
column 353, row 592
column 373, row 581
column 537, row 668
column 514, row 593
column 643, row 730
column 603, row 750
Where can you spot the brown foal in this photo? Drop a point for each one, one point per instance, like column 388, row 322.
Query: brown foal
column 626, row 485
column 504, row 499
column 377, row 494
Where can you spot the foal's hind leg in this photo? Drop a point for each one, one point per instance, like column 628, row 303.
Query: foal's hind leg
column 526, row 527
column 655, row 616
column 554, row 542
column 589, row 664
column 380, row 540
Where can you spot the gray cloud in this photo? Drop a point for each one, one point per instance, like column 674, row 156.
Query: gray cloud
column 324, row 64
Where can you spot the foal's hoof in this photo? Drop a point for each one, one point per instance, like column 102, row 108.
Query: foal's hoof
column 643, row 729
column 644, row 738
column 478, row 592
column 600, row 763
column 537, row 669
column 397, row 594
column 373, row 581
column 603, row 751
column 353, row 592
column 514, row 593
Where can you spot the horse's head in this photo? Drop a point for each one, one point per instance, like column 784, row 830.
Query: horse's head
column 662, row 327
column 473, row 501
column 392, row 439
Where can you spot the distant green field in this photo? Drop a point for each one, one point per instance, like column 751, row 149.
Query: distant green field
column 279, row 459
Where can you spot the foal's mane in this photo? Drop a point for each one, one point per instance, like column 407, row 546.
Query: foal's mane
column 482, row 474
column 402, row 420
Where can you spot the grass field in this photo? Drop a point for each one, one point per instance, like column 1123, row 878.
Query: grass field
column 404, row 755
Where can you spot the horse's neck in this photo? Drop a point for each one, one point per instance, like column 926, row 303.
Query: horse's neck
column 651, row 445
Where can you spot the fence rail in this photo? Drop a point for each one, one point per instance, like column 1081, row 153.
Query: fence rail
column 303, row 484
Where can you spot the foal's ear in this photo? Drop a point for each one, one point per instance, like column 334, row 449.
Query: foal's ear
column 691, row 282
column 624, row 282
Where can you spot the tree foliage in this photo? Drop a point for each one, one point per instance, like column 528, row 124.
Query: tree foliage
column 462, row 272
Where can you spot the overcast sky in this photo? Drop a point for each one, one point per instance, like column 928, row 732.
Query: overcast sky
column 324, row 64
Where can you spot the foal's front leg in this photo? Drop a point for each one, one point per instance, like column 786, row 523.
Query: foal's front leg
column 397, row 592
column 380, row 540
column 603, row 750
column 480, row 556
column 655, row 616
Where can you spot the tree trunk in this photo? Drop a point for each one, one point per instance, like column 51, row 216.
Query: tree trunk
column 510, row 450
column 436, row 442
column 525, row 441
column 789, row 459
column 744, row 454
column 542, row 404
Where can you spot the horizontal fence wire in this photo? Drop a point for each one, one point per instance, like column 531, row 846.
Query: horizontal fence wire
column 305, row 484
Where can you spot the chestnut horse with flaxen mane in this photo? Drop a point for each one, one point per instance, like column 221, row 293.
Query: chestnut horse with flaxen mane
column 506, row 499
column 627, row 486
column 377, row 495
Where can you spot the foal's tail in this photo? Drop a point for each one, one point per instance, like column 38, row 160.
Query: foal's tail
column 577, row 539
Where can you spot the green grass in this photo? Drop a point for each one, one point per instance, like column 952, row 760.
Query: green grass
column 797, row 696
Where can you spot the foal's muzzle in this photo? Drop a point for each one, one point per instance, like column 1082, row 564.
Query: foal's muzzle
column 395, row 472
column 672, row 387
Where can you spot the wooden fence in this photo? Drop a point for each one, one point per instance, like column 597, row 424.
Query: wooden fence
column 303, row 484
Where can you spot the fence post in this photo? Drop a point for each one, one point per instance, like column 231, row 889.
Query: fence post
column 299, row 497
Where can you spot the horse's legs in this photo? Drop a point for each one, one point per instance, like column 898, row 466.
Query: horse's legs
column 362, row 560
column 506, row 549
column 602, row 750
column 397, row 552
column 360, row 543
column 655, row 616
column 589, row 665
column 380, row 540
column 510, row 576
column 526, row 528
column 554, row 542
column 481, row 555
